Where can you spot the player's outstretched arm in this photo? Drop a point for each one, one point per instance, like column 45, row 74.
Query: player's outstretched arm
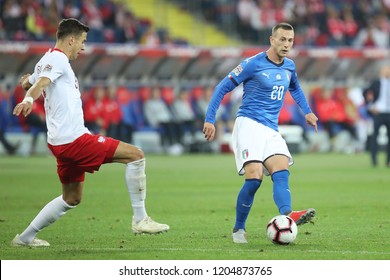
column 25, row 107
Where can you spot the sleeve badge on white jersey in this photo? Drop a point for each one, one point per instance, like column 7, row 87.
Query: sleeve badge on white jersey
column 47, row 68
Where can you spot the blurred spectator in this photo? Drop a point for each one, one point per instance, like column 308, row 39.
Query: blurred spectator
column 108, row 11
column 363, row 12
column 372, row 35
column 13, row 18
column 71, row 10
column 377, row 98
column 363, row 123
column 91, row 16
column 351, row 27
column 127, row 26
column 5, row 108
column 94, row 110
column 159, row 117
column 112, row 114
column 51, row 20
column 262, row 20
column 209, row 9
column 36, row 22
column 131, row 111
column 352, row 116
column 225, row 14
column 351, row 112
column 244, row 12
column 184, row 115
column 332, row 115
column 335, row 27
column 150, row 37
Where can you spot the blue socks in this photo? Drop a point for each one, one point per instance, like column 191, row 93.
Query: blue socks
column 244, row 201
column 282, row 195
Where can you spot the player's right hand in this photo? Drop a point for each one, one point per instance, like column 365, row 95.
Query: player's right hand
column 209, row 131
column 23, row 108
column 312, row 120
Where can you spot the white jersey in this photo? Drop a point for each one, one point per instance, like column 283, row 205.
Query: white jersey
column 63, row 105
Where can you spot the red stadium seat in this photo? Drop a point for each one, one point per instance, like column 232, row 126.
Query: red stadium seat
column 197, row 93
column 144, row 93
column 168, row 95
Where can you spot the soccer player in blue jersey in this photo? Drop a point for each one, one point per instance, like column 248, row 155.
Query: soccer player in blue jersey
column 258, row 146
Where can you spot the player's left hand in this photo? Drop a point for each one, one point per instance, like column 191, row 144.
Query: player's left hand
column 209, row 131
column 312, row 120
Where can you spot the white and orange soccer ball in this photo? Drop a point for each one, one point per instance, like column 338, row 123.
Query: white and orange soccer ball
column 282, row 230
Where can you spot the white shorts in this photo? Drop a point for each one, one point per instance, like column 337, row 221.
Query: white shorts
column 253, row 141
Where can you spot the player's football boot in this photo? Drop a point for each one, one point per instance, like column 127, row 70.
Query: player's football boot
column 147, row 225
column 302, row 217
column 16, row 242
column 239, row 236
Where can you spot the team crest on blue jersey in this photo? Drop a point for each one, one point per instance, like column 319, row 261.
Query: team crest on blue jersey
column 278, row 77
column 245, row 154
column 237, row 70
column 288, row 75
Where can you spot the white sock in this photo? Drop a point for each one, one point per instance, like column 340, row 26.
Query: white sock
column 136, row 186
column 48, row 215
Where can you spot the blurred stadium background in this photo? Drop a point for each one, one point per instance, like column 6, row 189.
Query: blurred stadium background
column 136, row 46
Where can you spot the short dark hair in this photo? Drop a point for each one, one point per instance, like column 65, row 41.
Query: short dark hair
column 70, row 26
column 282, row 25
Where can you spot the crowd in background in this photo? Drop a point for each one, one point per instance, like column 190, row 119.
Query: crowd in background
column 316, row 22
column 110, row 21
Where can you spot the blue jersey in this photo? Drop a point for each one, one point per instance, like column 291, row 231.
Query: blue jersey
column 265, row 85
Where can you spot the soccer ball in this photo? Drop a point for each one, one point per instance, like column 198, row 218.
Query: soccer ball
column 282, row 230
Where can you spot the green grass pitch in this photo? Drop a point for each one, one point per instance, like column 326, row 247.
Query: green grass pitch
column 195, row 195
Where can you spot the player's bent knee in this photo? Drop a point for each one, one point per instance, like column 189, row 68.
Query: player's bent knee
column 134, row 154
column 139, row 154
column 72, row 193
column 72, row 201
column 126, row 153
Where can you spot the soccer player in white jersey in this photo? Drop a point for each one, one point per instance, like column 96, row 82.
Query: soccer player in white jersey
column 258, row 147
column 77, row 151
